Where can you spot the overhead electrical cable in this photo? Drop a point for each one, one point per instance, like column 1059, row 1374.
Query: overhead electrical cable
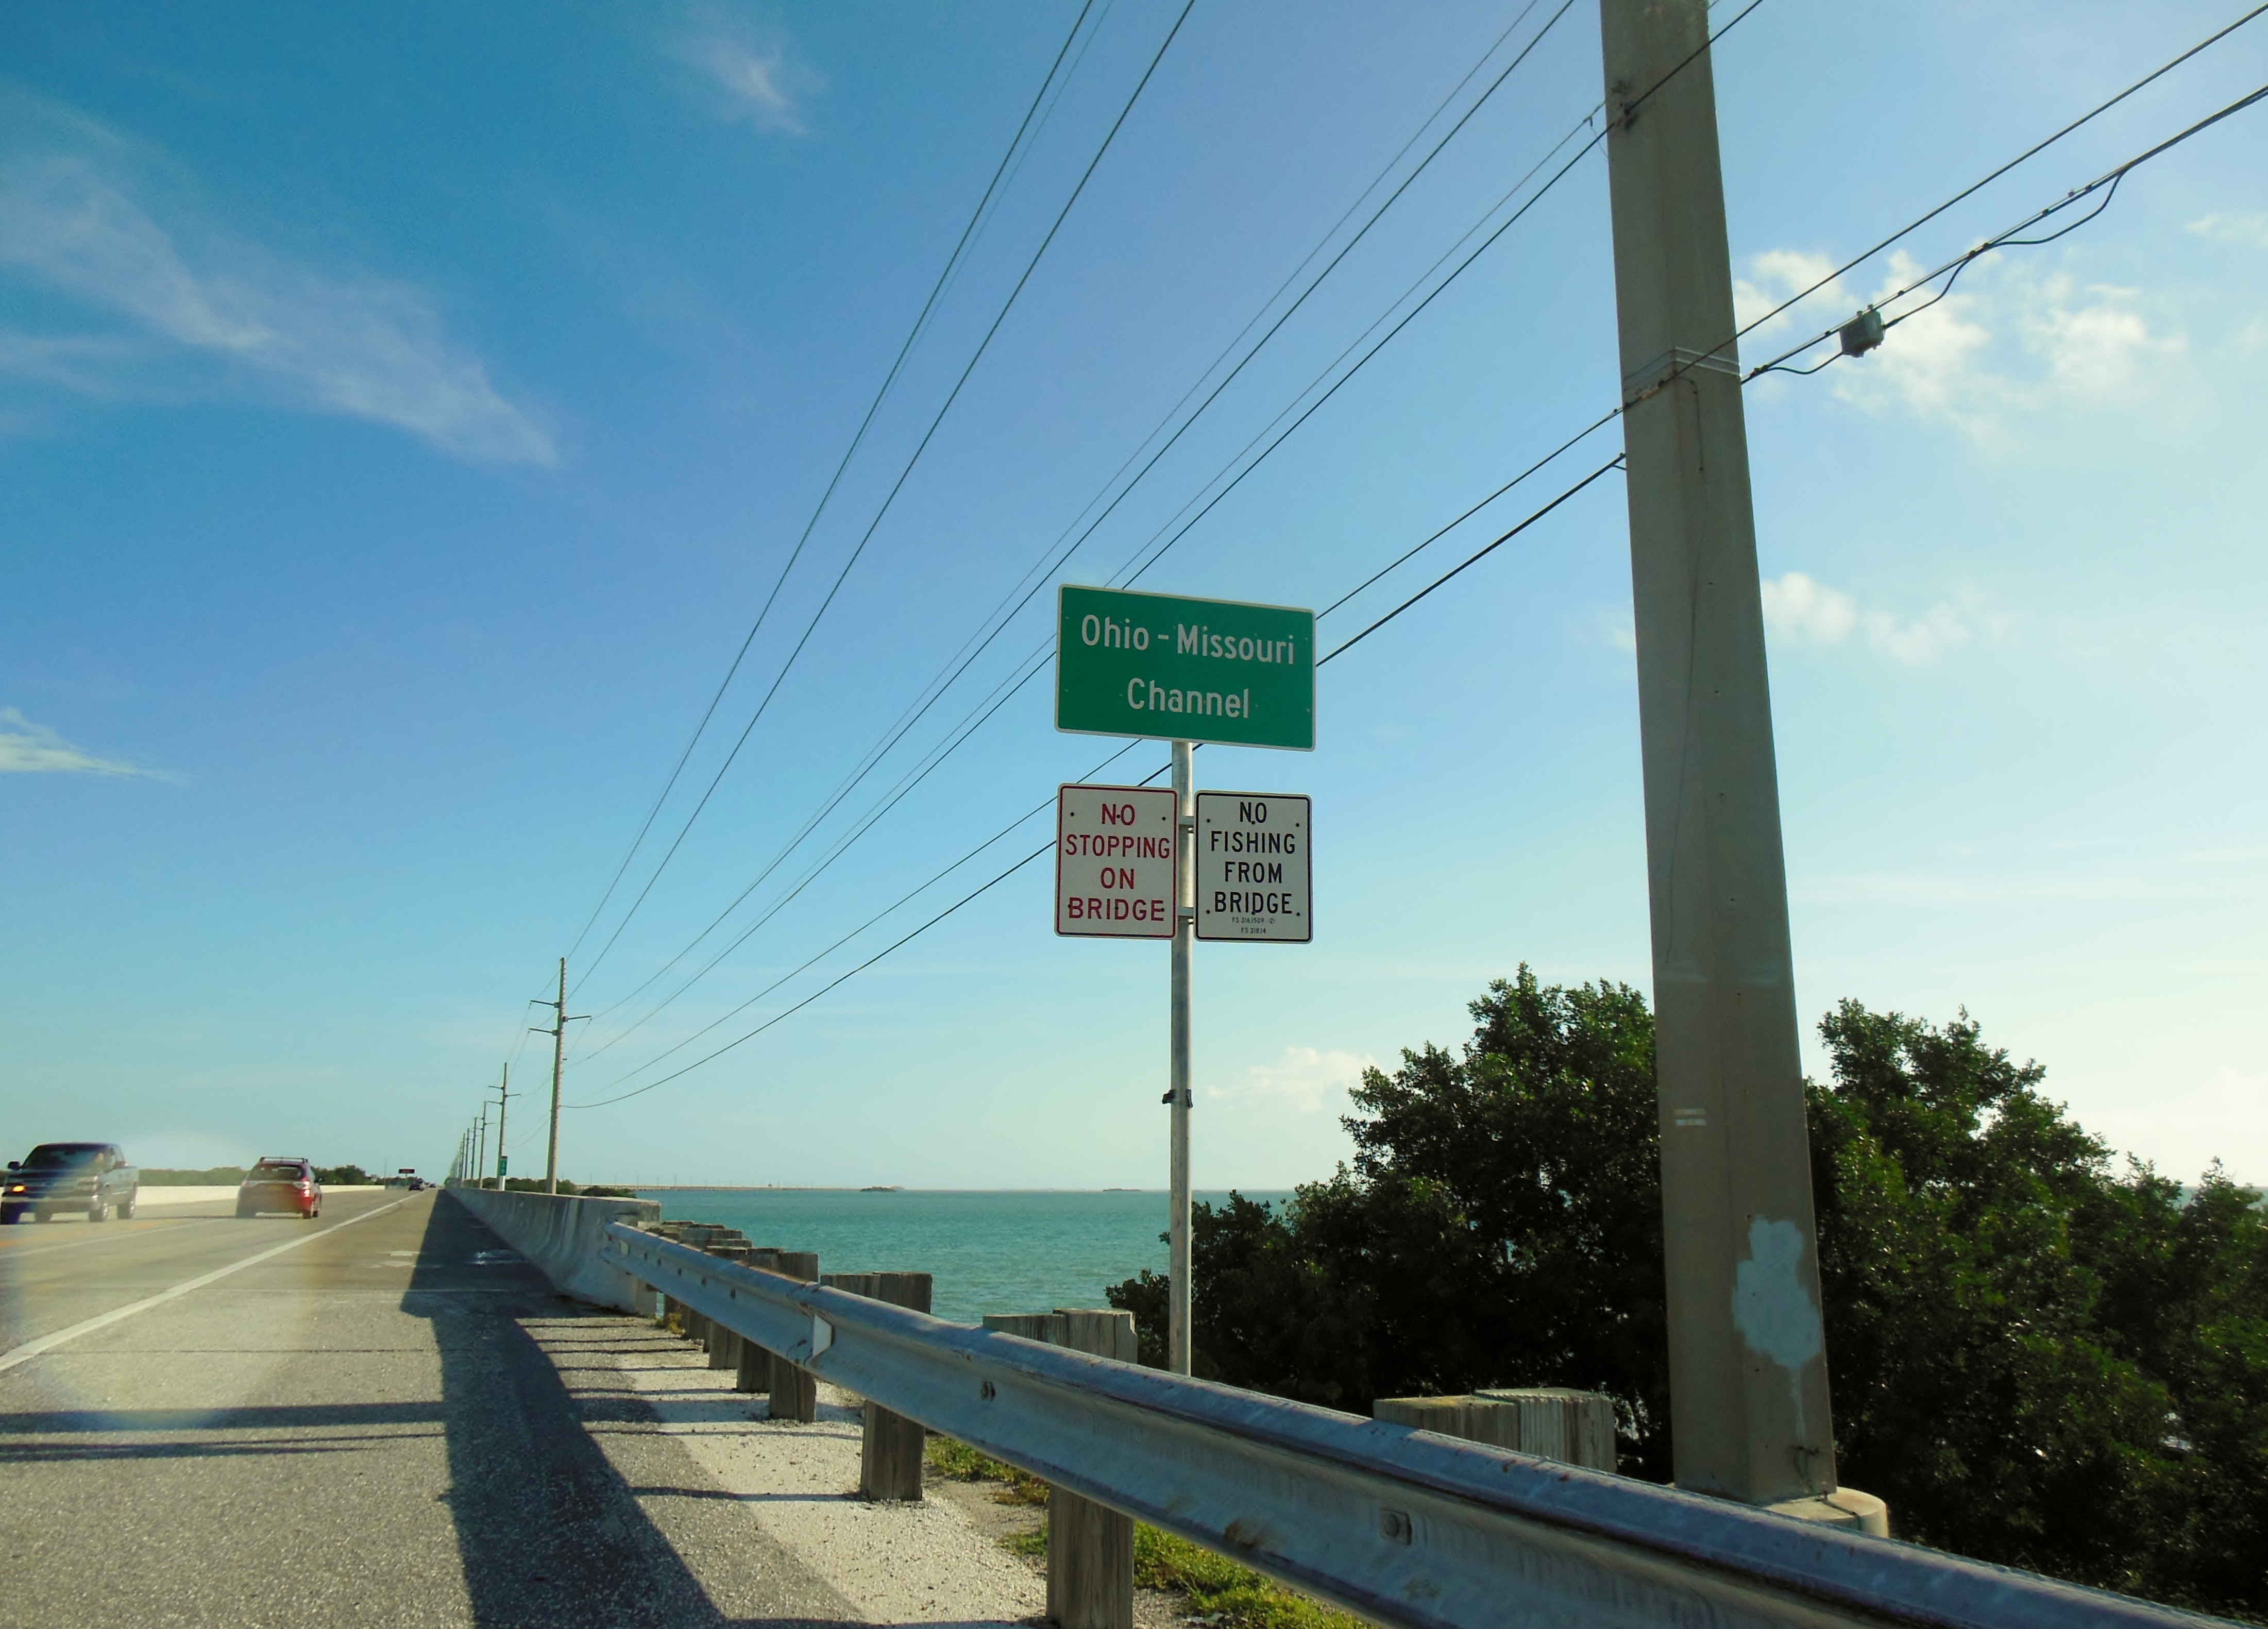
column 1132, row 572
column 1615, row 462
column 823, row 989
column 1039, row 654
column 1374, row 350
column 819, row 867
column 898, row 486
column 2032, row 152
column 987, row 215
column 1003, row 876
column 1053, row 557
column 897, row 904
column 1631, row 108
column 897, row 365
column 2107, row 184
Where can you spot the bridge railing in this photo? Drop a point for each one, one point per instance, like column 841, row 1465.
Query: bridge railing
column 1401, row 1526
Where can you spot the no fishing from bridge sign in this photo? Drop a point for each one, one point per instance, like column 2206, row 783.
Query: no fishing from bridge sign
column 1254, row 865
column 1114, row 869
column 1180, row 669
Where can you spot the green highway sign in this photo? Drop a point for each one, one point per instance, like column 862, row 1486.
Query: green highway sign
column 1209, row 670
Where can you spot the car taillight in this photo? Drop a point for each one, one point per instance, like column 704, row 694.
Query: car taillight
column 307, row 1186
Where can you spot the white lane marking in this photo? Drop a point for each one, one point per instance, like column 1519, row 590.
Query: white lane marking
column 31, row 1349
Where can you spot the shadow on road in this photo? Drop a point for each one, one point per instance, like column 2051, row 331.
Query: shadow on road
column 549, row 1531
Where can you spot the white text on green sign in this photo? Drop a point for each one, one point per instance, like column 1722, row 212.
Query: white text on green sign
column 1161, row 665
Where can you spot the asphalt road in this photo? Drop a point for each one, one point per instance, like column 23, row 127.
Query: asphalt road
column 379, row 1416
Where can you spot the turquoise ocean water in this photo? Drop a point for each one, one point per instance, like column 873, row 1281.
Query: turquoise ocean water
column 1016, row 1251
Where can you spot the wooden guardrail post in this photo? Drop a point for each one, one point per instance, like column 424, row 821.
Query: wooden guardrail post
column 890, row 1445
column 1090, row 1546
column 754, row 1376
column 1551, row 1422
column 794, row 1391
column 725, row 1346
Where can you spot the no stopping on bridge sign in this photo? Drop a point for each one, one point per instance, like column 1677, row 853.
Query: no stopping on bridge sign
column 1114, row 862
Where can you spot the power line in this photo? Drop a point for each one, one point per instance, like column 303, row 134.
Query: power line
column 905, row 474
column 897, row 904
column 897, row 795
column 1160, row 552
column 1629, row 110
column 823, row 989
column 921, row 322
column 1930, row 214
column 1615, row 462
column 1051, row 559
column 2107, row 184
column 1002, row 876
column 1598, row 137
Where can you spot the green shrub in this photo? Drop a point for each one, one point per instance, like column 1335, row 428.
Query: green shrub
column 2038, row 1357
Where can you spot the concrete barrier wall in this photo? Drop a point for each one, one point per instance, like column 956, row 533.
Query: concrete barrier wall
column 562, row 1237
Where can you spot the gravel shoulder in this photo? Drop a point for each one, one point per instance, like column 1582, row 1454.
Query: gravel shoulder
column 940, row 1561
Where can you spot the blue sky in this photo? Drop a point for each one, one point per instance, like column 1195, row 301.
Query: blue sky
column 405, row 412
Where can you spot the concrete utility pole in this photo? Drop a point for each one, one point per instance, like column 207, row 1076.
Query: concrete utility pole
column 561, row 1019
column 1185, row 940
column 504, row 1114
column 1747, row 1359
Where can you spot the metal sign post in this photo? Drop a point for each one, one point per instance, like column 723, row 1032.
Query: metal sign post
column 1190, row 671
column 1177, row 1064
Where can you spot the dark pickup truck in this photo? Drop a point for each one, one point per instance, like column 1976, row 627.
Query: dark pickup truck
column 53, row 1177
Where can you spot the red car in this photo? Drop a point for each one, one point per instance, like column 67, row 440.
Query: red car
column 282, row 1183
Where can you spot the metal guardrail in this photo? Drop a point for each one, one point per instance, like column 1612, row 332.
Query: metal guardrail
column 1402, row 1526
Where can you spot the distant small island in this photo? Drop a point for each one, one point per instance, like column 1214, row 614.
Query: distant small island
column 883, row 1188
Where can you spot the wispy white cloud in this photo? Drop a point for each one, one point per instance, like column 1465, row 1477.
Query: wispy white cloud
column 758, row 81
column 2252, row 229
column 2013, row 339
column 1802, row 611
column 1774, row 275
column 195, row 309
column 29, row 749
column 1305, row 1080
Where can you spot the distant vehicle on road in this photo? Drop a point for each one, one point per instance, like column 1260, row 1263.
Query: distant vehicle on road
column 281, row 1183
column 54, row 1177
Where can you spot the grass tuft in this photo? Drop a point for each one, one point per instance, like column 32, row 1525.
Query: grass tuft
column 957, row 1462
column 1218, row 1590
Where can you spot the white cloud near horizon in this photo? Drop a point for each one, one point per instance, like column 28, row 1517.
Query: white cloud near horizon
column 1803, row 610
column 29, row 749
column 1305, row 1080
column 196, row 310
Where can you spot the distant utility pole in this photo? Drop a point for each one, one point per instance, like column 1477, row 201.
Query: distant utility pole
column 505, row 1095
column 480, row 1144
column 557, row 1031
column 1747, row 1358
